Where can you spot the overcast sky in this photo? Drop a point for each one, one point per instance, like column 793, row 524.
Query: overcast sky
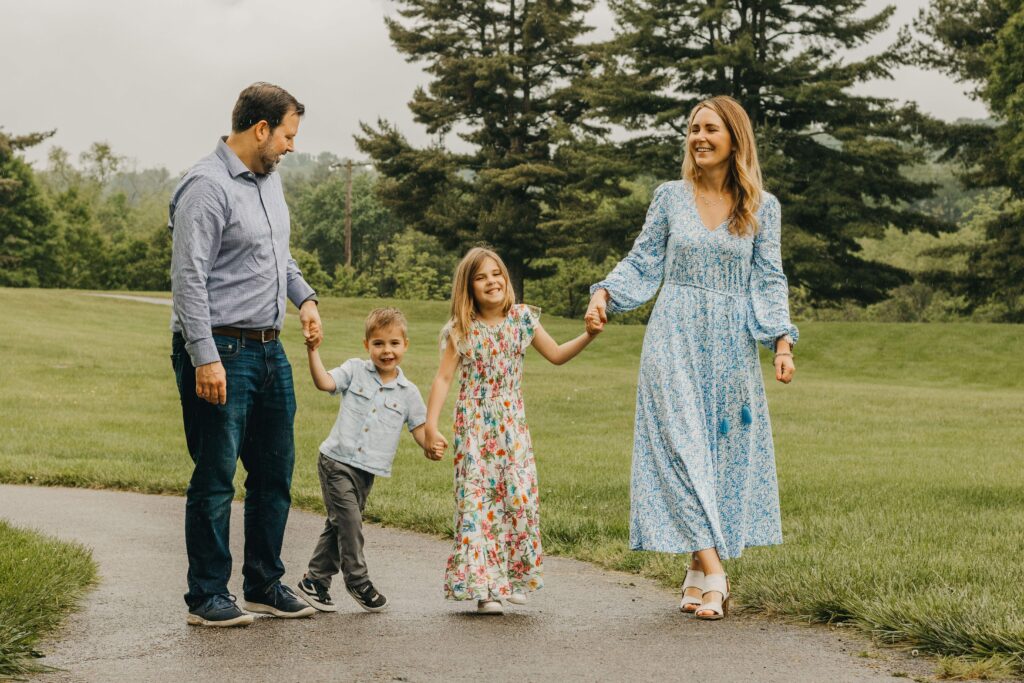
column 157, row 79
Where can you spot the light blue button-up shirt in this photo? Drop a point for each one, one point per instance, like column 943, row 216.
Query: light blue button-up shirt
column 230, row 264
column 369, row 423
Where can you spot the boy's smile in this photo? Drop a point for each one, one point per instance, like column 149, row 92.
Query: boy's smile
column 387, row 345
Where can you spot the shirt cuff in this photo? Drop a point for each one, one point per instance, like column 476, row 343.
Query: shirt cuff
column 202, row 351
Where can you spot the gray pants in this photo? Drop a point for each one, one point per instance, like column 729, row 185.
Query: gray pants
column 340, row 547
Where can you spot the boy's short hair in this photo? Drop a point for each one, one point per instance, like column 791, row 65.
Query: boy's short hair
column 381, row 318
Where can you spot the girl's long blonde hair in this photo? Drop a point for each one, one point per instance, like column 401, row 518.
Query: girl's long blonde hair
column 464, row 308
column 744, row 177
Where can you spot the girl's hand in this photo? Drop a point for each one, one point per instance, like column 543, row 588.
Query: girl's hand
column 597, row 312
column 784, row 367
column 436, row 444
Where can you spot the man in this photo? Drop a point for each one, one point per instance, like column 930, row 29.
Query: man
column 231, row 271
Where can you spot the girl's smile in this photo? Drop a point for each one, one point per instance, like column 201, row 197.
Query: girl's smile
column 489, row 285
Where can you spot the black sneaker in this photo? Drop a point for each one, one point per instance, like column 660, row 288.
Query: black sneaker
column 316, row 595
column 368, row 597
column 280, row 601
column 218, row 610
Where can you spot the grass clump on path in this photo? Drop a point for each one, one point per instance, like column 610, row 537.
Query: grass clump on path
column 41, row 580
column 899, row 452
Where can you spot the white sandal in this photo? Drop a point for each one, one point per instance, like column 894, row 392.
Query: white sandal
column 715, row 583
column 694, row 579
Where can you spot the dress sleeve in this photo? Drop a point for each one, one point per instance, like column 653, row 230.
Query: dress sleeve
column 637, row 277
column 768, row 312
column 529, row 317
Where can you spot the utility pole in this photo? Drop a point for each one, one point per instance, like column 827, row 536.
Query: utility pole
column 348, row 203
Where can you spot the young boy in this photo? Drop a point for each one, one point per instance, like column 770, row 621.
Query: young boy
column 377, row 400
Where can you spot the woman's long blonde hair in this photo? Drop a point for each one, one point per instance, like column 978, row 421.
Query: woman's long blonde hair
column 464, row 308
column 744, row 178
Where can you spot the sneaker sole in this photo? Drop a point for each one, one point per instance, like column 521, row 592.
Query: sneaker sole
column 244, row 620
column 313, row 602
column 260, row 608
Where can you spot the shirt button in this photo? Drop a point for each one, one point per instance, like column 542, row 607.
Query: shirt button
column 366, row 429
column 374, row 410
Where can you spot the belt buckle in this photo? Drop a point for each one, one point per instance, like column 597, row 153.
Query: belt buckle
column 263, row 336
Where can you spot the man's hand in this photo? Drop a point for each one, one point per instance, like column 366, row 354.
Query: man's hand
column 312, row 331
column 212, row 383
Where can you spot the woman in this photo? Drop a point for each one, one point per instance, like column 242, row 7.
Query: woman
column 703, row 477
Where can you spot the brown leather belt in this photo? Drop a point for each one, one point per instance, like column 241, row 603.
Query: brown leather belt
column 262, row 336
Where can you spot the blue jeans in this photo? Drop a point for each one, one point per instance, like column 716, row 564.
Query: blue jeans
column 256, row 425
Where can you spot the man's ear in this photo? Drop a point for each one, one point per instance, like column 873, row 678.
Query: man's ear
column 262, row 131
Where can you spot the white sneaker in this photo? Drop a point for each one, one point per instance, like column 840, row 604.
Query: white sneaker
column 489, row 607
column 517, row 598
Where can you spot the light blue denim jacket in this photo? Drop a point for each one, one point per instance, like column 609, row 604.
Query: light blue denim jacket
column 365, row 434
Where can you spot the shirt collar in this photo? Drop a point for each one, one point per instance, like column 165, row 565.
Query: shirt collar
column 231, row 161
column 400, row 380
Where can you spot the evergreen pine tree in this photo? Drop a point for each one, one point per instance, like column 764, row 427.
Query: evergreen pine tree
column 833, row 157
column 501, row 81
column 981, row 43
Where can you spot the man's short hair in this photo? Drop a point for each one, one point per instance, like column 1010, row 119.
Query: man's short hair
column 381, row 318
column 263, row 102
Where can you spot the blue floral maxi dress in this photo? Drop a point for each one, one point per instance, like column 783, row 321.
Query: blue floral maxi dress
column 703, row 461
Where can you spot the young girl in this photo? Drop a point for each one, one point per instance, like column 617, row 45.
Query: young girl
column 497, row 553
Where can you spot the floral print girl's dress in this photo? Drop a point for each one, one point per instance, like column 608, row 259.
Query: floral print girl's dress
column 703, row 461
column 497, row 524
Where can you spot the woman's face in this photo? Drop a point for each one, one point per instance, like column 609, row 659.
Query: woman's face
column 488, row 284
column 709, row 140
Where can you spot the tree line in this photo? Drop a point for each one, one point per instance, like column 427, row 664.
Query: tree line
column 888, row 213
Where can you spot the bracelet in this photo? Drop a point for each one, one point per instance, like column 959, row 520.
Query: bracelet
column 783, row 353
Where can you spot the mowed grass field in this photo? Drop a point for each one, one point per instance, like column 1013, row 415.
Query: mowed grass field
column 900, row 454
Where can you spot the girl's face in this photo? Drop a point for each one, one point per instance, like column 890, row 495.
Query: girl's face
column 709, row 140
column 488, row 285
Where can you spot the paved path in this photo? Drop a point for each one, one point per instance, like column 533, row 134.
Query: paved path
column 586, row 625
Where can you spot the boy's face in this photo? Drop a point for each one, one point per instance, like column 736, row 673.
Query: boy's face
column 386, row 345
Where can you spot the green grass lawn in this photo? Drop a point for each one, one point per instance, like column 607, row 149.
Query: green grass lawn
column 900, row 452
column 41, row 578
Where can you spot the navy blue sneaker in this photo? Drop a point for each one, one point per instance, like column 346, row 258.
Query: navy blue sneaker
column 316, row 595
column 219, row 610
column 368, row 597
column 279, row 601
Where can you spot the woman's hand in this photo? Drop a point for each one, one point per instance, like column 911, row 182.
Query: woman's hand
column 784, row 367
column 436, row 444
column 597, row 312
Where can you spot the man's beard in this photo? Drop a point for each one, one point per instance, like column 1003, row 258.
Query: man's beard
column 267, row 157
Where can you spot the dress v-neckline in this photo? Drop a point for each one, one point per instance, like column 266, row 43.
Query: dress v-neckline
column 700, row 219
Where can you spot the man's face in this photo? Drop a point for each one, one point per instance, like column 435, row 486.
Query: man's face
column 386, row 345
column 279, row 141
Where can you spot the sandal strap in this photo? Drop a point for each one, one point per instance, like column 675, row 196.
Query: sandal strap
column 716, row 583
column 694, row 579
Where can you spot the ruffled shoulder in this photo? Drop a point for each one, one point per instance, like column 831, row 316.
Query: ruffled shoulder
column 526, row 318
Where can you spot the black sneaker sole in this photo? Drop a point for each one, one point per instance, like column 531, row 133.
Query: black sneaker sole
column 260, row 608
column 241, row 620
column 313, row 601
column 355, row 596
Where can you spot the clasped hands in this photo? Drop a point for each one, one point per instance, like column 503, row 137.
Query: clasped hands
column 436, row 444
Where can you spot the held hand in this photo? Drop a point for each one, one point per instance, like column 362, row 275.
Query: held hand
column 597, row 312
column 312, row 330
column 212, row 383
column 784, row 367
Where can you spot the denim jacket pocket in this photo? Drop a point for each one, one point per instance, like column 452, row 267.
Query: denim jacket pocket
column 392, row 416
